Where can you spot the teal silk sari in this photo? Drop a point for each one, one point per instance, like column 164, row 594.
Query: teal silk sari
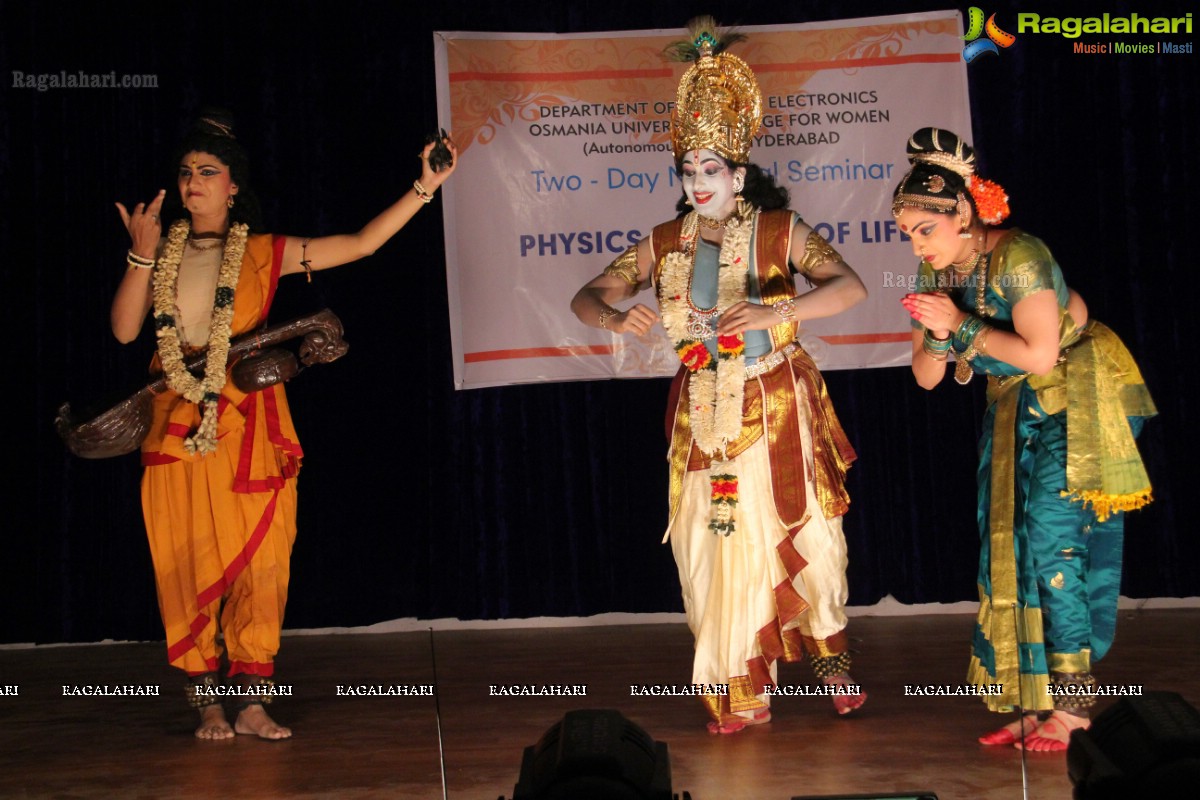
column 1058, row 467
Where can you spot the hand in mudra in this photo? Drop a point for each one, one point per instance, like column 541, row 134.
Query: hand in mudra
column 935, row 311
column 143, row 224
column 747, row 316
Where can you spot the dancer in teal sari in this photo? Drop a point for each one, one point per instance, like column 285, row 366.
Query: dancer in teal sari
column 1058, row 462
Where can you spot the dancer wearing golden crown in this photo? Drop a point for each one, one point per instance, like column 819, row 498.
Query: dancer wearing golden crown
column 1058, row 462
column 219, row 488
column 757, row 456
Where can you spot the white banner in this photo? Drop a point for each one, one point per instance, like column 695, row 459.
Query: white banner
column 565, row 160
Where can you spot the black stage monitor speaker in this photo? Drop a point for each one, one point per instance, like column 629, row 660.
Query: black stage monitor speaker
column 1146, row 746
column 892, row 796
column 595, row 755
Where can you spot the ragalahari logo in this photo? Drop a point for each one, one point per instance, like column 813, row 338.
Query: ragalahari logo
column 976, row 27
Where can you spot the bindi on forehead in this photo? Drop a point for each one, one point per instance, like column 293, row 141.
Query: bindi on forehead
column 201, row 160
column 699, row 157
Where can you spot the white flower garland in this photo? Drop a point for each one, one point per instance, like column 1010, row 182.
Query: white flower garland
column 206, row 391
column 716, row 390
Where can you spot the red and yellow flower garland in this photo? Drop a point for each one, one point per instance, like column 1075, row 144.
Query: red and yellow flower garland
column 716, row 386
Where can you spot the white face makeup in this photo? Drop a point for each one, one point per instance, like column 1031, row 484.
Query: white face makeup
column 708, row 183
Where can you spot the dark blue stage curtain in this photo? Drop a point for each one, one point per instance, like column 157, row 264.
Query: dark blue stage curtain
column 419, row 501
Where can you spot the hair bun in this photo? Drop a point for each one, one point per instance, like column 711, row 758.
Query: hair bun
column 942, row 148
column 214, row 122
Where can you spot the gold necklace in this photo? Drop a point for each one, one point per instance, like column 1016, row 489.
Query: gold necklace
column 981, row 271
column 700, row 320
column 968, row 265
column 205, row 244
column 962, row 368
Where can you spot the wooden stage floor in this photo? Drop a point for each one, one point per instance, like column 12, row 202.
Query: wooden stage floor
column 67, row 746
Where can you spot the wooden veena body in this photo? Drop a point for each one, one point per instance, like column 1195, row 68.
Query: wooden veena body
column 122, row 428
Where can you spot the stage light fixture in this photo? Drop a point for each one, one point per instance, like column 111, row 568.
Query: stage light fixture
column 595, row 755
column 1146, row 746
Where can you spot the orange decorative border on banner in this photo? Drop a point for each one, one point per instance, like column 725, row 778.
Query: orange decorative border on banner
column 540, row 352
column 853, row 63
column 609, row 74
column 583, row 75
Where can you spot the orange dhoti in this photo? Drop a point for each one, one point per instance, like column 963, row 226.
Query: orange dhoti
column 221, row 526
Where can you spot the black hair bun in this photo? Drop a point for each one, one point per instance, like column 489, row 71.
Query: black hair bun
column 942, row 148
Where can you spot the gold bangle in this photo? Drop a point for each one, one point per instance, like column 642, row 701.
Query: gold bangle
column 605, row 315
column 981, row 340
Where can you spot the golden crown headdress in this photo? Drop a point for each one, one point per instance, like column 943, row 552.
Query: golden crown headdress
column 718, row 105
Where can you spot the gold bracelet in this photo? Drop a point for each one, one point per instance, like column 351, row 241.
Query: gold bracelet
column 786, row 309
column 605, row 315
column 981, row 340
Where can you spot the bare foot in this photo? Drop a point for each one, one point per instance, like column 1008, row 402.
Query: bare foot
column 845, row 703
column 741, row 723
column 1053, row 735
column 1011, row 732
column 253, row 720
column 213, row 724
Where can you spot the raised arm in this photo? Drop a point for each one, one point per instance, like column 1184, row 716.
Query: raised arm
column 624, row 278
column 134, row 296
column 326, row 252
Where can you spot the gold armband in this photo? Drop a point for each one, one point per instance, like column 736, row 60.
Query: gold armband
column 625, row 267
column 816, row 252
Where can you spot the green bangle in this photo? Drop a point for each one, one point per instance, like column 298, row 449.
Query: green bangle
column 935, row 348
column 967, row 331
column 935, row 342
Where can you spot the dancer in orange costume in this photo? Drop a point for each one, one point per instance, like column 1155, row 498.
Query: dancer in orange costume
column 219, row 489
